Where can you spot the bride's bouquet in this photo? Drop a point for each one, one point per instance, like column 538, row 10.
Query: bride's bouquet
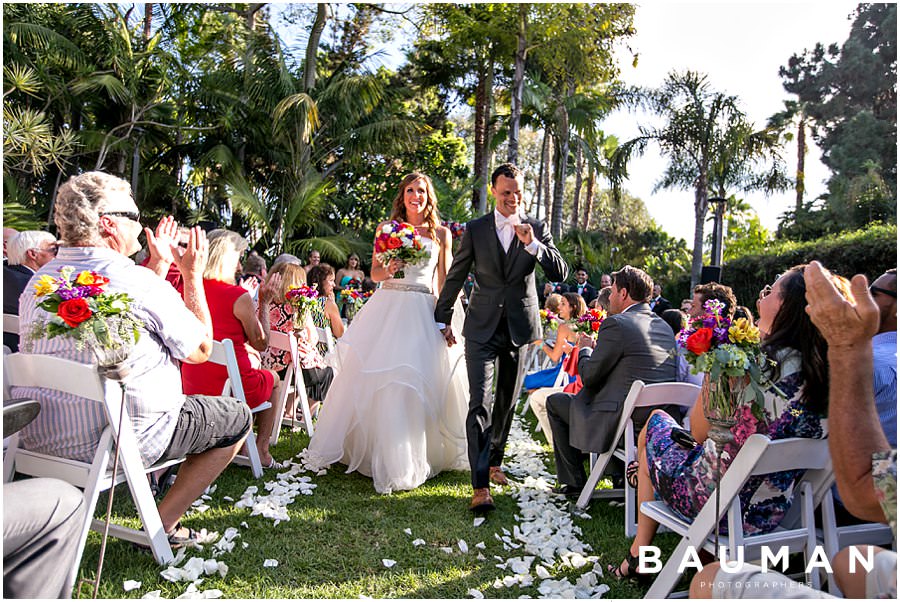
column 303, row 299
column 399, row 240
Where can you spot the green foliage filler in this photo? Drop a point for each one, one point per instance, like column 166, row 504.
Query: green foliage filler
column 868, row 251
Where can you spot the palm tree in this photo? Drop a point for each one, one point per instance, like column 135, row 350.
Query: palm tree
column 709, row 142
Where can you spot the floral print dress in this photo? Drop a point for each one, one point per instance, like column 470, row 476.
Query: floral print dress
column 685, row 479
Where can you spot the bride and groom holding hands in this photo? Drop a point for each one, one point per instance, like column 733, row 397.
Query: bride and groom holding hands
column 413, row 399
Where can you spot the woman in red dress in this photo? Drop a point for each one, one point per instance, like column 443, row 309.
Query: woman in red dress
column 236, row 317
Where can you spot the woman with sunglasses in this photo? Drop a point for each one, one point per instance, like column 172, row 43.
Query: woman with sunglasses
column 683, row 477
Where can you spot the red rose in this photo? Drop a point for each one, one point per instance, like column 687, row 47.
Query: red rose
column 394, row 243
column 595, row 326
column 74, row 312
column 699, row 342
column 380, row 245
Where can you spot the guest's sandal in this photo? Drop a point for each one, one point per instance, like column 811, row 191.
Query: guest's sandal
column 632, row 574
column 631, row 474
column 274, row 465
column 179, row 541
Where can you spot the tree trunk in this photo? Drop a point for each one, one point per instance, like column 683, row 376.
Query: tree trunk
column 512, row 154
column 701, row 206
column 801, row 163
column 312, row 47
column 482, row 135
column 539, row 185
column 579, row 167
column 560, row 160
column 588, row 201
column 547, row 158
column 148, row 20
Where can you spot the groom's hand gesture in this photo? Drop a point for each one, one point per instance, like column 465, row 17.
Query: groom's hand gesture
column 525, row 233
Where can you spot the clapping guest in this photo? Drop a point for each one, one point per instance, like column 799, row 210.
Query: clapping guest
column 253, row 273
column 328, row 315
column 235, row 317
column 681, row 477
column 317, row 375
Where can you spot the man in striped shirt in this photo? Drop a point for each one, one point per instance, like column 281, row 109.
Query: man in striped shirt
column 98, row 223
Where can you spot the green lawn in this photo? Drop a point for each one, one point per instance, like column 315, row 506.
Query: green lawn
column 335, row 540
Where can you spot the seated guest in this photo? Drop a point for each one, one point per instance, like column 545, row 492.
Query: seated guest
column 686, row 305
column 633, row 343
column 605, row 280
column 327, row 315
column 351, row 271
column 7, row 234
column 865, row 464
column 253, row 273
column 571, row 306
column 712, row 290
column 681, row 477
column 884, row 348
column 658, row 303
column 287, row 257
column 27, row 251
column 235, row 317
column 181, row 234
column 98, row 224
column 602, row 300
column 316, row 374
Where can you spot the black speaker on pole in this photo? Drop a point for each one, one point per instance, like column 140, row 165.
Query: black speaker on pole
column 711, row 273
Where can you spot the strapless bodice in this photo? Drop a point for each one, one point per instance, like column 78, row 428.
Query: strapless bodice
column 423, row 274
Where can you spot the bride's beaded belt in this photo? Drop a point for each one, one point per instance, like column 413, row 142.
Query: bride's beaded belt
column 405, row 286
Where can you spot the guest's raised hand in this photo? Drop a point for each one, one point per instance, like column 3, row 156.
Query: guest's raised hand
column 192, row 262
column 161, row 243
column 525, row 233
column 270, row 288
column 843, row 322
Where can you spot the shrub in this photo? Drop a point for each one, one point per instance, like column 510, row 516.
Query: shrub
column 868, row 251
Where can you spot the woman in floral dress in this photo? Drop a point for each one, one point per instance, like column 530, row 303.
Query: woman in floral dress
column 317, row 375
column 684, row 478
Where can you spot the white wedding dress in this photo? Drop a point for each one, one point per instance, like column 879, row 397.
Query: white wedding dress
column 396, row 411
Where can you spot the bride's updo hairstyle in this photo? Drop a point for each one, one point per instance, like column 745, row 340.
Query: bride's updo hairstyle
column 432, row 218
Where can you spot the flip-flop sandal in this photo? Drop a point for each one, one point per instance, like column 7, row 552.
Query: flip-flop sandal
column 274, row 464
column 631, row 474
column 180, row 541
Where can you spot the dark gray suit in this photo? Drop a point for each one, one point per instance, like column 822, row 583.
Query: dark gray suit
column 15, row 279
column 633, row 345
column 501, row 317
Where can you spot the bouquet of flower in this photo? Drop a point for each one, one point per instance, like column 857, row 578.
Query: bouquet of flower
column 730, row 353
column 81, row 310
column 399, row 240
column 353, row 301
column 589, row 322
column 549, row 320
column 303, row 299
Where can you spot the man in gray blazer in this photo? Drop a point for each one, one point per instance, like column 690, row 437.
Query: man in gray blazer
column 633, row 343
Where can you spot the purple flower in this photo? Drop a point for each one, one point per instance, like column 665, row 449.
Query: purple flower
column 721, row 334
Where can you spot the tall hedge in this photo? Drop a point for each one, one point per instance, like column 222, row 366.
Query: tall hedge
column 869, row 251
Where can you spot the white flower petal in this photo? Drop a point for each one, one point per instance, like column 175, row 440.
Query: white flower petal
column 477, row 523
column 418, row 542
column 408, row 531
column 463, row 546
column 480, row 545
column 447, row 550
column 130, row 584
column 474, row 593
column 270, row 562
column 387, row 562
column 155, row 594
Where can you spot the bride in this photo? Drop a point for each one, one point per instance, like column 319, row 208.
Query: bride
column 396, row 411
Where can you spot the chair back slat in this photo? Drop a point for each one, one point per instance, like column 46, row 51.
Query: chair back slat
column 658, row 394
column 11, row 323
column 74, row 378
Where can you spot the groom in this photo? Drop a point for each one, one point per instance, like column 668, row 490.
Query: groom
column 501, row 249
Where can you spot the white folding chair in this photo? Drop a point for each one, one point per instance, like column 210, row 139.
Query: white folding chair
column 223, row 354
column 291, row 383
column 639, row 396
column 331, row 355
column 11, row 323
column 758, row 456
column 834, row 538
column 32, row 370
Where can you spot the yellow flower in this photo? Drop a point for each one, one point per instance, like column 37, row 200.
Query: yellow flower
column 742, row 331
column 45, row 285
column 85, row 278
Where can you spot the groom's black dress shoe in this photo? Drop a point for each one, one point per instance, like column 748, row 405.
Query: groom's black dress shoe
column 570, row 491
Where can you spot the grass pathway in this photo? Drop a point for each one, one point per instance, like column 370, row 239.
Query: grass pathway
column 296, row 534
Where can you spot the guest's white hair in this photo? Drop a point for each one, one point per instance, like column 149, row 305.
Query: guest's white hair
column 20, row 243
column 79, row 203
